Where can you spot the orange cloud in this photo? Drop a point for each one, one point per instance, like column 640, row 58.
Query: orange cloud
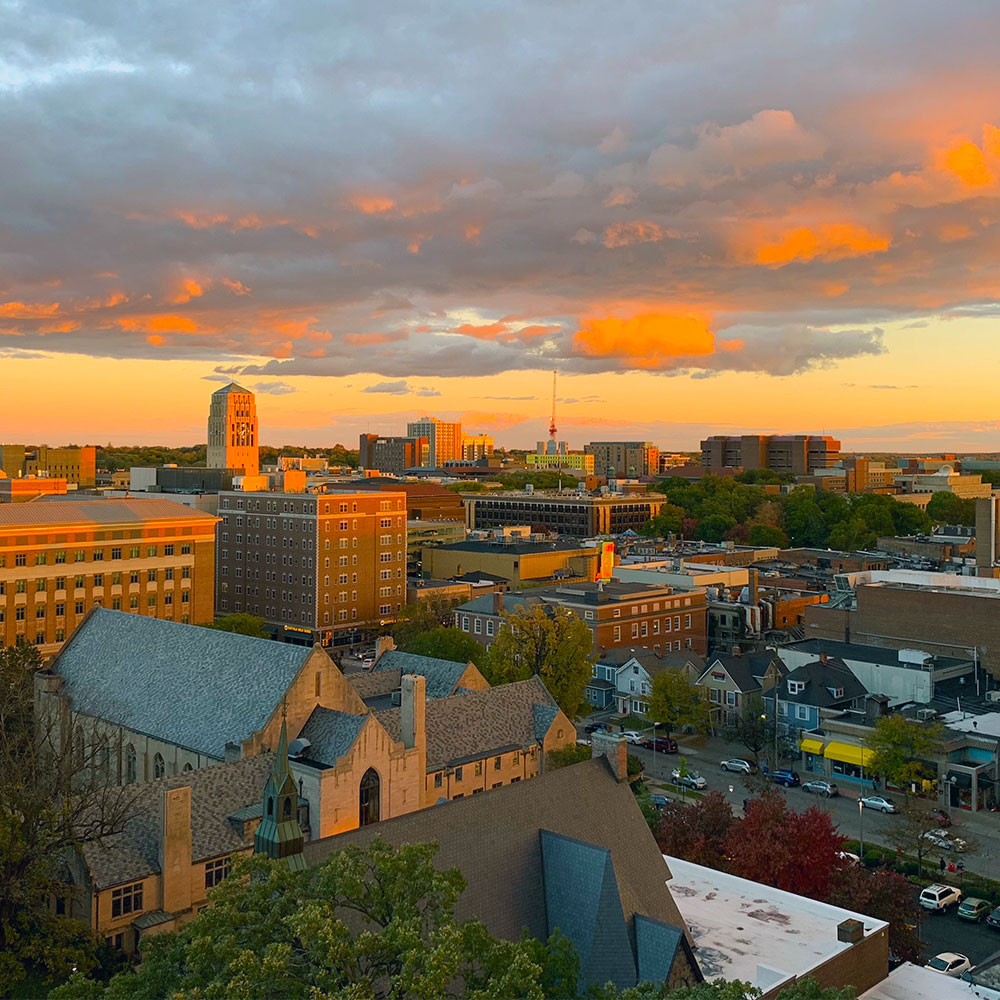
column 160, row 324
column 624, row 234
column 832, row 241
column 649, row 340
column 187, row 290
column 373, row 204
column 28, row 310
column 966, row 161
column 363, row 339
column 488, row 331
column 472, row 233
column 236, row 287
column 65, row 326
column 952, row 232
column 155, row 340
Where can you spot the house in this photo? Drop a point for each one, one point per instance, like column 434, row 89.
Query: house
column 569, row 850
column 732, row 681
column 622, row 679
column 822, row 685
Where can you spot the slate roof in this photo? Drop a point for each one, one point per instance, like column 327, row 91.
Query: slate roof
column 474, row 725
column 331, row 734
column 746, row 670
column 495, row 840
column 819, row 678
column 442, row 675
column 195, row 687
column 98, row 510
column 216, row 793
column 375, row 683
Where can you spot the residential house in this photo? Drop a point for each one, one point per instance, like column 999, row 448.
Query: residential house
column 812, row 688
column 623, row 678
column 731, row 682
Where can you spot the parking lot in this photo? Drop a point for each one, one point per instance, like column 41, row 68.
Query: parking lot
column 945, row 932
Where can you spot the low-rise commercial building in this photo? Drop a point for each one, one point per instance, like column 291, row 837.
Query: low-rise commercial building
column 29, row 488
column 78, row 466
column 575, row 461
column 517, row 562
column 582, row 515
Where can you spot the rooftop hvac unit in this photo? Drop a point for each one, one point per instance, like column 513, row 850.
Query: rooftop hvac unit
column 993, row 696
column 925, row 714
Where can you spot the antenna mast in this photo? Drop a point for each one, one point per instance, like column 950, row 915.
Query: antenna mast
column 552, row 422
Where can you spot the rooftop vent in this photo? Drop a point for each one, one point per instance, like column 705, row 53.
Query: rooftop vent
column 297, row 747
column 924, row 714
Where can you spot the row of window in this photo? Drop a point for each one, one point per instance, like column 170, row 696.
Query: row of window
column 293, row 507
column 20, row 614
column 97, row 580
column 477, row 625
column 459, row 772
column 61, row 556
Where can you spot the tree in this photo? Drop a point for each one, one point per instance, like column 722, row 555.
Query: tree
column 885, row 895
column 714, row 527
column 676, row 701
column 766, row 535
column 667, row 522
column 564, row 756
column 372, row 921
column 947, row 508
column 550, row 642
column 755, row 727
column 422, row 616
column 900, row 748
column 852, row 535
column 696, row 832
column 795, row 851
column 56, row 794
column 241, row 623
column 447, row 644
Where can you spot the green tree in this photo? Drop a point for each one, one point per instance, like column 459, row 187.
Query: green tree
column 551, row 642
column 565, row 756
column 755, row 727
column 901, row 748
column 241, row 623
column 676, row 701
column 54, row 796
column 372, row 922
column 714, row 527
column 448, row 643
column 766, row 535
column 946, row 508
column 423, row 616
column 849, row 536
column 667, row 522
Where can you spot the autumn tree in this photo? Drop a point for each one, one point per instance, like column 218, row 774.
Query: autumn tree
column 447, row 643
column 675, row 701
column 697, row 832
column 900, row 749
column 56, row 793
column 241, row 623
column 422, row 616
column 795, row 851
column 754, row 727
column 550, row 642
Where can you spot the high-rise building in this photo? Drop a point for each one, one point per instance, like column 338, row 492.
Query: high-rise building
column 476, row 446
column 444, row 439
column 58, row 558
column 392, row 455
column 316, row 567
column 232, row 430
column 795, row 454
column 624, row 459
column 75, row 465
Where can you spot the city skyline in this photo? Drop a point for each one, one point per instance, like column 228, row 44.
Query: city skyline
column 764, row 217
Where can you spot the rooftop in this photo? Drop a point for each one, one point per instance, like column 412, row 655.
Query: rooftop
column 98, row 510
column 914, row 982
column 516, row 547
column 753, row 932
column 872, row 654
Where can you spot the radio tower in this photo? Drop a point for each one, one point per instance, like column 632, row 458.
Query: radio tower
column 552, row 422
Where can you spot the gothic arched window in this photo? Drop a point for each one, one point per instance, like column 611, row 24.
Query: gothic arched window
column 369, row 798
column 159, row 768
column 130, row 768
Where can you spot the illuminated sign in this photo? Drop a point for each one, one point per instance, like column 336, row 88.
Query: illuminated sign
column 293, row 628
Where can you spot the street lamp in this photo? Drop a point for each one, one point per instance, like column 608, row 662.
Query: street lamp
column 861, row 821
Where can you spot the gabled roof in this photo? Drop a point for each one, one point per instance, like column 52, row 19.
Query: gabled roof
column 442, row 675
column 495, row 840
column 217, row 793
column 196, row 687
column 476, row 724
column 746, row 670
column 331, row 734
column 819, row 678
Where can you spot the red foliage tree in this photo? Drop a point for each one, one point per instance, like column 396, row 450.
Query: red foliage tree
column 795, row 851
column 696, row 832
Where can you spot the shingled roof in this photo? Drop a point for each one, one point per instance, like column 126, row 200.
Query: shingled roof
column 198, row 688
column 499, row 842
column 821, row 679
column 330, row 734
column 442, row 675
column 478, row 723
column 216, row 794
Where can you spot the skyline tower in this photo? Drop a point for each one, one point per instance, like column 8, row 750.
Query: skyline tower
column 232, row 430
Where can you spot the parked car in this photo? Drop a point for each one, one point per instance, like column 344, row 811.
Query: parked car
column 661, row 744
column 879, row 802
column 940, row 897
column 974, row 910
column 949, row 963
column 824, row 788
column 594, row 727
column 691, row 779
column 658, row 800
column 739, row 764
column 631, row 736
column 993, row 920
column 940, row 815
column 945, row 841
column 790, row 779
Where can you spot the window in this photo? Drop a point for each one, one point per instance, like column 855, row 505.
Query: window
column 127, row 899
column 60, row 610
column 133, row 552
column 185, row 548
column 98, row 579
column 478, row 626
column 60, row 557
column 79, row 556
column 490, row 625
column 369, row 796
column 151, row 550
column 730, row 697
column 618, row 633
column 215, row 872
column 40, row 585
column 20, row 586
column 801, row 711
column 479, row 768
column 497, row 762
column 39, row 558
column 20, row 559
column 796, row 687
column 98, row 555
column 159, row 768
column 78, row 607
column 437, row 779
column 151, row 576
column 465, row 623
column 168, row 550
column 458, row 774
column 687, row 621
column 130, row 764
column 116, row 553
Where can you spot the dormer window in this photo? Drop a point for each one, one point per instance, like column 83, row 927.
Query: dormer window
column 837, row 692
column 796, row 687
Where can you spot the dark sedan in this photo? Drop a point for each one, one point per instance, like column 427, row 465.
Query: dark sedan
column 661, row 744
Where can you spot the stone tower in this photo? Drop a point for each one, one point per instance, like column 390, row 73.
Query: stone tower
column 232, row 430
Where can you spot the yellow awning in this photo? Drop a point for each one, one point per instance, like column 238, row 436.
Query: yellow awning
column 811, row 746
column 848, row 753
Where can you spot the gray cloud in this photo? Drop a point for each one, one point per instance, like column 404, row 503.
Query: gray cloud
column 273, row 388
column 401, row 388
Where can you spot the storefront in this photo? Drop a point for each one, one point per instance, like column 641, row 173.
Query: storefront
column 850, row 763
column 812, row 755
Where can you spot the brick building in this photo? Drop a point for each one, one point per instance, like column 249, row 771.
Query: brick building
column 76, row 465
column 58, row 558
column 624, row 459
column 316, row 567
column 515, row 561
column 392, row 455
column 581, row 515
column 794, row 454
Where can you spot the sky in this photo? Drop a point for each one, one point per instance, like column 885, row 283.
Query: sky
column 706, row 216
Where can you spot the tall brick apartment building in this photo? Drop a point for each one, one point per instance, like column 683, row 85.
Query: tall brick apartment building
column 316, row 567
column 58, row 558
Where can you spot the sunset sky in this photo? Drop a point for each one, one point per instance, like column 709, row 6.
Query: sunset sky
column 708, row 217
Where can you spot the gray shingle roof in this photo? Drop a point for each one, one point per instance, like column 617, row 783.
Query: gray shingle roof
column 196, row 687
column 331, row 734
column 819, row 679
column 99, row 510
column 374, row 684
column 545, row 715
column 217, row 792
column 442, row 675
column 472, row 725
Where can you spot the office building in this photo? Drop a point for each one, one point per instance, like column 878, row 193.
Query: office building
column 29, row 488
column 78, row 466
column 392, row 455
column 444, row 440
column 793, row 454
column 516, row 562
column 556, row 455
column 624, row 459
column 58, row 558
column 476, row 446
column 582, row 515
column 232, row 430
column 316, row 567
column 944, row 480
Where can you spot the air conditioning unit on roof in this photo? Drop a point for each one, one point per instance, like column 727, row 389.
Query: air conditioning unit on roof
column 926, row 713
column 993, row 696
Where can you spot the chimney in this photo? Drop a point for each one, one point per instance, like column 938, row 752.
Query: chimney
column 383, row 644
column 413, row 708
column 614, row 749
column 497, row 602
column 753, row 593
column 850, row 931
column 175, row 849
column 823, row 658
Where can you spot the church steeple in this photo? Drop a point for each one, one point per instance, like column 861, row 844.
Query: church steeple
column 279, row 835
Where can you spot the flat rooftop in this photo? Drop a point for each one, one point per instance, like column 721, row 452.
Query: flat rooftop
column 914, row 982
column 753, row 932
column 874, row 654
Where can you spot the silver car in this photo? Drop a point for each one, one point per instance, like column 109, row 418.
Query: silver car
column 824, row 788
column 738, row 764
column 691, row 779
column 878, row 802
